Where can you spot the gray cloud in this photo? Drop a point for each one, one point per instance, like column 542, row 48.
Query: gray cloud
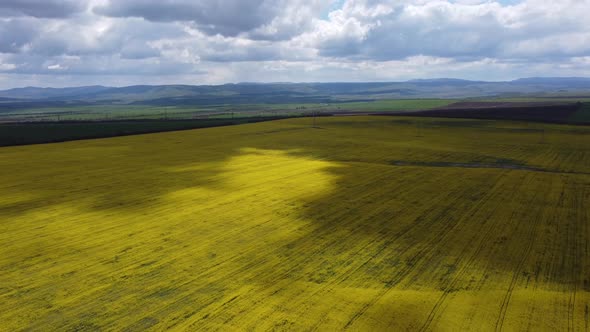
column 299, row 40
column 260, row 19
column 225, row 17
column 41, row 8
column 128, row 37
column 90, row 66
column 15, row 34
column 244, row 54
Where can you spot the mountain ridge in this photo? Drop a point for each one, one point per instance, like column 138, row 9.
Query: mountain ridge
column 248, row 93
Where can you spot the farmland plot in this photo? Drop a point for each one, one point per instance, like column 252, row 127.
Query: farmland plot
column 364, row 223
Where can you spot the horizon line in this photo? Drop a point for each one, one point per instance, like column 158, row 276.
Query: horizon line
column 308, row 82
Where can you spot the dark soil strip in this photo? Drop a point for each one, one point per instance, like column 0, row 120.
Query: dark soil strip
column 536, row 113
column 52, row 132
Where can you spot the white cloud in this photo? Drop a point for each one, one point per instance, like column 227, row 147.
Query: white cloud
column 7, row 66
column 57, row 67
column 121, row 42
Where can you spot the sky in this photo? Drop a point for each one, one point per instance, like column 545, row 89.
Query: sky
column 57, row 43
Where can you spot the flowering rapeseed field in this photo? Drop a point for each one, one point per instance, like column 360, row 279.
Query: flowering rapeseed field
column 362, row 223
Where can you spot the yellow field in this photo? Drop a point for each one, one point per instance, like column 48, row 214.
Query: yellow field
column 369, row 223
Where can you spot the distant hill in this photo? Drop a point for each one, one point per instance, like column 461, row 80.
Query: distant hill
column 561, row 82
column 45, row 93
column 254, row 93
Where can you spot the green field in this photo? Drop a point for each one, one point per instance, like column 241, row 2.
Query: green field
column 555, row 99
column 361, row 223
column 392, row 105
column 143, row 112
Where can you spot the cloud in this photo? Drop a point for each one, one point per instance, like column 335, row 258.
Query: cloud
column 7, row 66
column 56, row 67
column 289, row 40
column 259, row 19
column 16, row 33
column 129, row 38
column 41, row 8
column 90, row 66
column 388, row 30
column 225, row 17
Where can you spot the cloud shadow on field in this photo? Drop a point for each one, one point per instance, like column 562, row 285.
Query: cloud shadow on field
column 384, row 226
column 413, row 212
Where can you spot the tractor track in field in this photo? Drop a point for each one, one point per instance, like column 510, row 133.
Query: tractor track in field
column 356, row 227
column 517, row 273
column 450, row 286
column 482, row 165
column 425, row 251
